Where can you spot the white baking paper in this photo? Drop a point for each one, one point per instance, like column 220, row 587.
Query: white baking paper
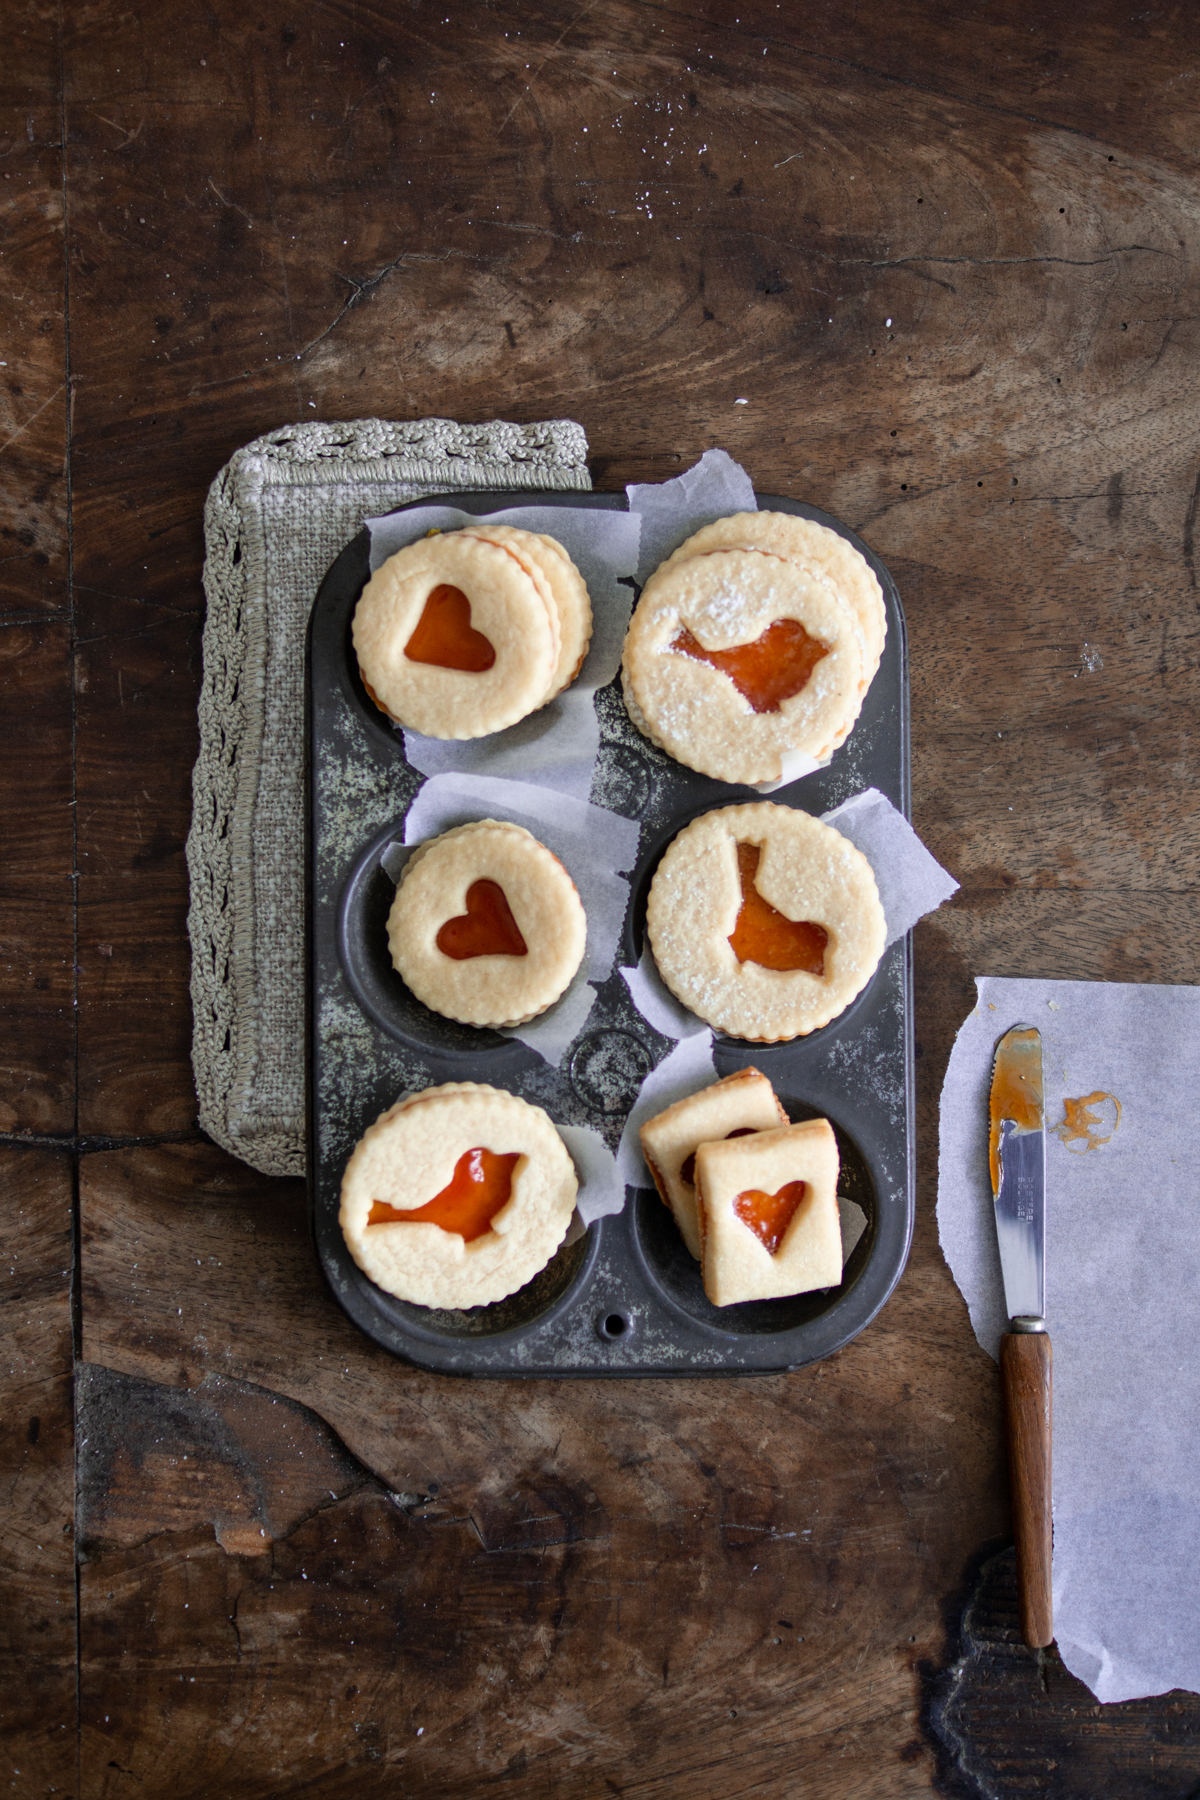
column 911, row 882
column 601, row 1190
column 671, row 511
column 557, row 745
column 592, row 844
column 657, row 1004
column 1122, row 1282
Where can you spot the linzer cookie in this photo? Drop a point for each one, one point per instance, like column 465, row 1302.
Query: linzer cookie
column 548, row 563
column 486, row 926
column 456, row 1197
column 764, row 921
column 741, row 1104
column 814, row 547
column 752, row 647
column 769, row 1213
column 463, row 633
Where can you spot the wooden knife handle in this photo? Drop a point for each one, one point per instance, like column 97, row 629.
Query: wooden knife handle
column 1025, row 1370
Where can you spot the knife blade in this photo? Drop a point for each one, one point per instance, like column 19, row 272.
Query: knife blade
column 1017, row 1155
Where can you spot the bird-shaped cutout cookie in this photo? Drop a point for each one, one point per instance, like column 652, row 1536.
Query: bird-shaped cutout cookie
column 768, row 671
column 480, row 1186
column 766, row 936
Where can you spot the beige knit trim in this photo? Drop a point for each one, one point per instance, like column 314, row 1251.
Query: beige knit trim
column 277, row 516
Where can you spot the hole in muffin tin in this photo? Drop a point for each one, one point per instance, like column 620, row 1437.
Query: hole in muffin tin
column 363, row 949
column 676, row 1273
column 636, row 939
column 548, row 1292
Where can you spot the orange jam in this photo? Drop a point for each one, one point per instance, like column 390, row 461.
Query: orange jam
column 769, row 1215
column 445, row 635
column 1016, row 1090
column 767, row 937
column 487, row 928
column 768, row 671
column 480, row 1186
column 687, row 1171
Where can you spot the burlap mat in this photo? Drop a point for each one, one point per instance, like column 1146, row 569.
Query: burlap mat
column 277, row 515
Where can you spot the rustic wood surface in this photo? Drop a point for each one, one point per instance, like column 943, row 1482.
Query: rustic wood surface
column 930, row 267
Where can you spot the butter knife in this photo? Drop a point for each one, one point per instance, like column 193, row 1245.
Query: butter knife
column 1017, row 1153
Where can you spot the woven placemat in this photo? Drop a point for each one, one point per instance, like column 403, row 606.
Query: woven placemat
column 277, row 516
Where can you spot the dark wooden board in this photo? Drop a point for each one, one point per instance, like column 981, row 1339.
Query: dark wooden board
column 278, row 215
column 37, row 1576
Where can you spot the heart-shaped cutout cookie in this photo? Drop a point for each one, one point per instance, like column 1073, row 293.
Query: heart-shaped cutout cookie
column 446, row 637
column 480, row 1186
column 768, row 671
column 765, row 936
column 487, row 928
column 769, row 1215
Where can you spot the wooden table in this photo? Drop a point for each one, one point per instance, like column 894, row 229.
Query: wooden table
column 930, row 267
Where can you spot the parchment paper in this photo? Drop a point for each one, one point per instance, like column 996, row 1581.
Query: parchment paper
column 556, row 746
column 601, row 1190
column 1122, row 1282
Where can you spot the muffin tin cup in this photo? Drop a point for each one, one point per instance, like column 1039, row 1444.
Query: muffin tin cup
column 623, row 1297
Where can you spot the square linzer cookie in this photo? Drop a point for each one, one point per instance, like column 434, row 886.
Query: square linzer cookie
column 768, row 1209
column 741, row 1104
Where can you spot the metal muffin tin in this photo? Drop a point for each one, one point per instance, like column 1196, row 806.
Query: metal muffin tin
column 625, row 1297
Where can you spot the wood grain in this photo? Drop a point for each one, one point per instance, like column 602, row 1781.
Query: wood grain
column 1011, row 1721
column 946, row 258
column 37, row 1573
column 538, row 1531
column 33, row 376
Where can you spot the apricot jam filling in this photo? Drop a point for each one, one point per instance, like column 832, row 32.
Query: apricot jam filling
column 445, row 635
column 687, row 1171
column 480, row 1186
column 764, row 936
column 769, row 1215
column 487, row 928
column 768, row 671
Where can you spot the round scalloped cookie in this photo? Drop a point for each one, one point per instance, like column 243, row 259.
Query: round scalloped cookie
column 485, row 988
column 409, row 1157
column 806, row 542
column 806, row 871
column 545, row 557
column 693, row 710
column 508, row 608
